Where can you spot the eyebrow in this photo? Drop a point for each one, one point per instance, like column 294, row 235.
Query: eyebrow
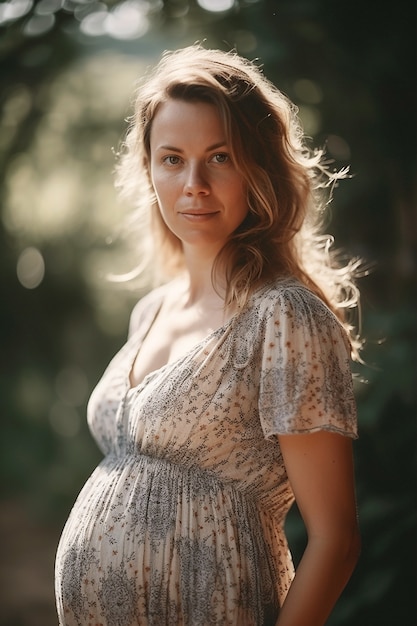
column 220, row 144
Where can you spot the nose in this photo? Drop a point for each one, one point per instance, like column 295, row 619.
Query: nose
column 196, row 181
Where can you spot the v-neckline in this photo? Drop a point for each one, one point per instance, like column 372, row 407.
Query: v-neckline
column 136, row 352
column 220, row 329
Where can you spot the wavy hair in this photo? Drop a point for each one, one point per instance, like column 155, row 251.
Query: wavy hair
column 289, row 186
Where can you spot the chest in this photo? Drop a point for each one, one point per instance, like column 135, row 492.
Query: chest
column 171, row 336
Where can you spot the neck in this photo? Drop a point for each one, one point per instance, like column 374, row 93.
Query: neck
column 197, row 279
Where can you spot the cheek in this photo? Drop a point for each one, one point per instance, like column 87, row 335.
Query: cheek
column 164, row 182
column 159, row 184
column 241, row 195
column 166, row 196
column 153, row 177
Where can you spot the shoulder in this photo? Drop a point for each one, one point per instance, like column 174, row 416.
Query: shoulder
column 292, row 307
column 146, row 306
column 289, row 294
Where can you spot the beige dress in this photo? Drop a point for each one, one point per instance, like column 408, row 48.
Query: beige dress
column 182, row 521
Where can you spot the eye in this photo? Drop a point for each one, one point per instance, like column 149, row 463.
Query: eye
column 171, row 159
column 220, row 158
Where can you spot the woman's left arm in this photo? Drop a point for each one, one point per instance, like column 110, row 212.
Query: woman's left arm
column 320, row 470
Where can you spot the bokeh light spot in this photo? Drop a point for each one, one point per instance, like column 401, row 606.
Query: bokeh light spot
column 65, row 420
column 216, row 6
column 311, row 119
column 308, row 91
column 38, row 25
column 338, row 148
column 45, row 7
column 125, row 21
column 30, row 268
column 94, row 24
column 10, row 11
column 244, row 40
column 128, row 20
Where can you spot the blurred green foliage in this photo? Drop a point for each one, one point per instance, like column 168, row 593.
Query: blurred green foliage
column 67, row 70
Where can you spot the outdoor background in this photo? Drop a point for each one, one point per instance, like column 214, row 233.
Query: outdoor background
column 67, row 72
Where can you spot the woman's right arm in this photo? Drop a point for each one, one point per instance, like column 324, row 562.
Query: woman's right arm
column 320, row 469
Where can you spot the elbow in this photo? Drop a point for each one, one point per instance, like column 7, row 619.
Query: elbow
column 344, row 546
column 355, row 547
column 350, row 550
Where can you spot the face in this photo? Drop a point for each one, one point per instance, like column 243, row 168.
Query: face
column 201, row 195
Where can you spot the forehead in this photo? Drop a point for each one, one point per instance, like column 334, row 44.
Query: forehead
column 187, row 119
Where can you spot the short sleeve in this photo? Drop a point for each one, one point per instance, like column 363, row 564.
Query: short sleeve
column 306, row 380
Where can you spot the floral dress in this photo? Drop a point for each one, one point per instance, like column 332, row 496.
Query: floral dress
column 182, row 523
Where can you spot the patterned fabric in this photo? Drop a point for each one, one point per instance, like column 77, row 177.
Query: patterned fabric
column 182, row 522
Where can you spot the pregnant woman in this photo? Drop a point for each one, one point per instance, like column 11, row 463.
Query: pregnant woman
column 233, row 394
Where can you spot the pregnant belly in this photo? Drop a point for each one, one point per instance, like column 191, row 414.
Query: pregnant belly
column 148, row 542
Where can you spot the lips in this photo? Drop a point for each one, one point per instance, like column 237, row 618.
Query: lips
column 198, row 212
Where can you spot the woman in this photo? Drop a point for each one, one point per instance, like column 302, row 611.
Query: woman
column 233, row 395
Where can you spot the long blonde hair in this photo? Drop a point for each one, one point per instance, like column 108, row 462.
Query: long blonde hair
column 289, row 186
